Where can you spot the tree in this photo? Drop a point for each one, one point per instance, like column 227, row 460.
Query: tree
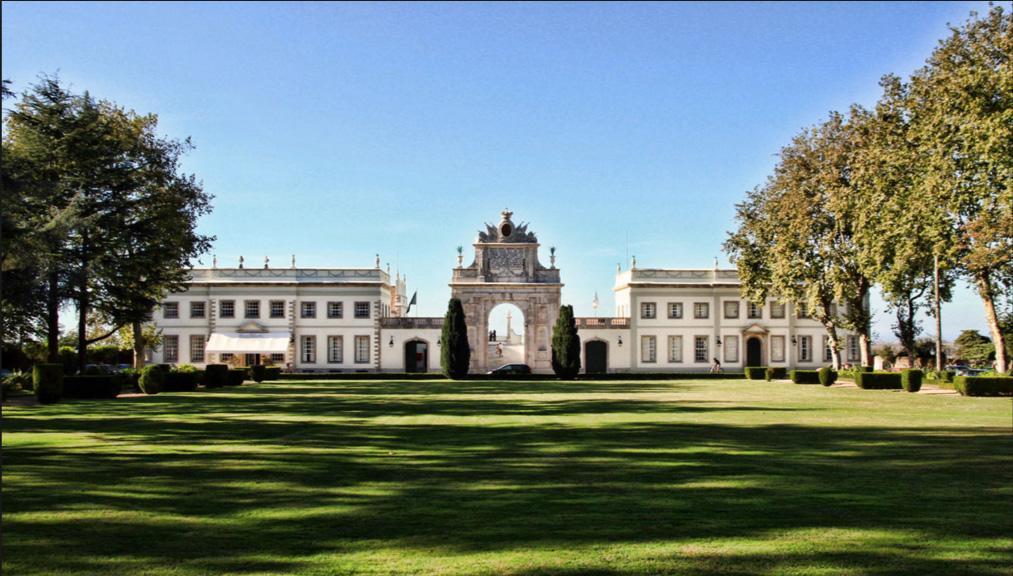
column 565, row 345
column 974, row 348
column 961, row 104
column 455, row 352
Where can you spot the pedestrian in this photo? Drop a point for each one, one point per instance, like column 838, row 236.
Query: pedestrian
column 716, row 368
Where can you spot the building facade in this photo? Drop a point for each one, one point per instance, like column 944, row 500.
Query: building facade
column 348, row 320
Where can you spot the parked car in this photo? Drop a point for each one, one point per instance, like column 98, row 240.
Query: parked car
column 511, row 369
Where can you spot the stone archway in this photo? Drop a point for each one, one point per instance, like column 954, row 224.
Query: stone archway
column 754, row 351
column 416, row 355
column 596, row 354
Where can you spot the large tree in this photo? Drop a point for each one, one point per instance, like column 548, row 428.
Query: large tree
column 565, row 345
column 455, row 352
column 962, row 120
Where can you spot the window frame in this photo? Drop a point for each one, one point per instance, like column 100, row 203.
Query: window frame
column 725, row 342
column 675, row 310
column 335, row 305
column 805, row 348
column 369, row 310
column 203, row 344
column 221, row 308
column 696, row 349
column 308, row 348
column 706, row 307
column 198, row 305
column 777, row 357
column 648, row 310
column 331, row 340
column 308, row 309
column 364, row 359
column 174, row 307
column 675, row 348
column 648, row 349
column 246, row 309
column 271, row 309
column 727, row 305
column 778, row 306
column 174, row 357
column 754, row 311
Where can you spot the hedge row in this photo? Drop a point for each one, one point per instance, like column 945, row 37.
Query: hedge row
column 911, row 380
column 805, row 376
column 984, row 385
column 103, row 386
column 776, row 373
column 756, row 372
column 878, row 380
column 519, row 377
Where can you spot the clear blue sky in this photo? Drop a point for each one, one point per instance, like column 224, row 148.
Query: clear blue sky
column 336, row 131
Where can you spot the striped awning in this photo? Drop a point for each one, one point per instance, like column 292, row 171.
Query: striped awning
column 244, row 343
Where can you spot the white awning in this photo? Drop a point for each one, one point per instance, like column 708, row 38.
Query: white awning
column 254, row 343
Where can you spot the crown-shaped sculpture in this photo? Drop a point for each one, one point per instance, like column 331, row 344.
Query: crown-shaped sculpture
column 507, row 231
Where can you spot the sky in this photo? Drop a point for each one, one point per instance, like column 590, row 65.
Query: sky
column 338, row 131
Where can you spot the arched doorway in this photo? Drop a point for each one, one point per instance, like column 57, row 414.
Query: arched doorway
column 416, row 356
column 754, row 352
column 506, row 336
column 596, row 353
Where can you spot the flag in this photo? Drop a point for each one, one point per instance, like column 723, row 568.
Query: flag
column 412, row 302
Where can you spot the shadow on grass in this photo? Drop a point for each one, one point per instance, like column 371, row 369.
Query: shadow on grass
column 181, row 480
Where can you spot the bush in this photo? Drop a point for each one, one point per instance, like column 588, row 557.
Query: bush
column 984, row 386
column 827, row 376
column 47, row 380
column 152, row 379
column 911, row 380
column 756, row 372
column 92, row 386
column 68, row 360
column 272, row 373
column 878, row 380
column 183, row 379
column 805, row 376
column 779, row 373
column 216, row 375
column 258, row 372
column 237, row 376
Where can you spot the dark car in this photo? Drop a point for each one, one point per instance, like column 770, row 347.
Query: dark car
column 512, row 369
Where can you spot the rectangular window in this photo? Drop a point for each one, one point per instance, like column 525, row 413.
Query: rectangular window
column 805, row 348
column 648, row 310
column 854, row 354
column 335, row 349
column 802, row 311
column 251, row 309
column 197, row 309
column 277, row 357
column 777, row 309
column 755, row 311
column 170, row 310
column 701, row 351
column 309, row 349
column 648, row 349
column 197, row 348
column 701, row 310
column 170, row 347
column 777, row 348
column 277, row 308
column 362, row 348
column 226, row 356
column 675, row 310
column 828, row 354
column 731, row 348
column 731, row 309
column 675, row 348
column 227, row 308
column 308, row 310
column 362, row 309
column 335, row 310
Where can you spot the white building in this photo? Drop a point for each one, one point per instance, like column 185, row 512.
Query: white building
column 345, row 320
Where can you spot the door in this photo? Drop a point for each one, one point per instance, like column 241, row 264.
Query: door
column 754, row 352
column 252, row 359
column 416, row 356
column 596, row 357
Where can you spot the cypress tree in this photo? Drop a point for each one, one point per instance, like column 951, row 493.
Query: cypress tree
column 565, row 345
column 455, row 353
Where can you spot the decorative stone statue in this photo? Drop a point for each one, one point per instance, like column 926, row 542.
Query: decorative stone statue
column 293, row 261
column 634, row 264
column 214, row 261
column 267, row 261
column 377, row 261
column 240, row 261
column 552, row 256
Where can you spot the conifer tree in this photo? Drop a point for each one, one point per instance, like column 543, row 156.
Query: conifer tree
column 565, row 345
column 455, row 353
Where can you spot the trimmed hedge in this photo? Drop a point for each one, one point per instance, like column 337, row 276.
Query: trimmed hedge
column 216, row 375
column 272, row 373
column 827, row 376
column 152, row 379
column 47, row 380
column 984, row 385
column 779, row 373
column 878, row 380
column 520, row 377
column 93, row 386
column 237, row 376
column 911, row 380
column 805, row 376
column 756, row 372
column 182, row 381
column 258, row 372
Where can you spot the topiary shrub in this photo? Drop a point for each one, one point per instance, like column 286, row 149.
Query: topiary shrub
column 182, row 379
column 756, row 372
column 984, row 386
column 216, row 375
column 48, row 382
column 272, row 373
column 258, row 373
column 805, row 376
column 565, row 345
column 778, row 373
column 911, row 380
column 827, row 376
column 152, row 379
column 878, row 380
column 92, row 386
column 455, row 352
column 237, row 376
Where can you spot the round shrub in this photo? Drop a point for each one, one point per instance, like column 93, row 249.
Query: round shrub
column 911, row 380
column 236, row 376
column 827, row 376
column 152, row 379
column 48, row 382
column 216, row 375
column 272, row 373
column 258, row 372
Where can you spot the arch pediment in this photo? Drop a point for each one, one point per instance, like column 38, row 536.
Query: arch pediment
column 251, row 327
column 756, row 330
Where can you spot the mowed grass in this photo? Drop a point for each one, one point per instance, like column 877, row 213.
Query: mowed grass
column 439, row 477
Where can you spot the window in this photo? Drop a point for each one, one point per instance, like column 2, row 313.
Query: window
column 777, row 309
column 251, row 309
column 335, row 349
column 197, row 348
column 362, row 347
column 802, row 311
column 335, row 310
column 828, row 354
column 755, row 311
column 277, row 357
column 309, row 349
column 197, row 309
column 701, row 310
column 648, row 310
column 228, row 308
column 731, row 348
column 277, row 308
column 731, row 309
column 700, row 348
column 170, row 310
column 226, row 356
column 675, row 348
column 675, row 310
column 308, row 310
column 833, row 310
column 648, row 349
column 854, row 354
column 362, row 309
column 805, row 348
column 777, row 348
column 170, row 346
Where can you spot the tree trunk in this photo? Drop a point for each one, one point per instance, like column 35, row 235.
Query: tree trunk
column 53, row 318
column 138, row 345
column 988, row 299
column 834, row 343
column 82, row 326
column 865, row 345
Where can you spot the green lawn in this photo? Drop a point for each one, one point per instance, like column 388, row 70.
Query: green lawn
column 436, row 477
